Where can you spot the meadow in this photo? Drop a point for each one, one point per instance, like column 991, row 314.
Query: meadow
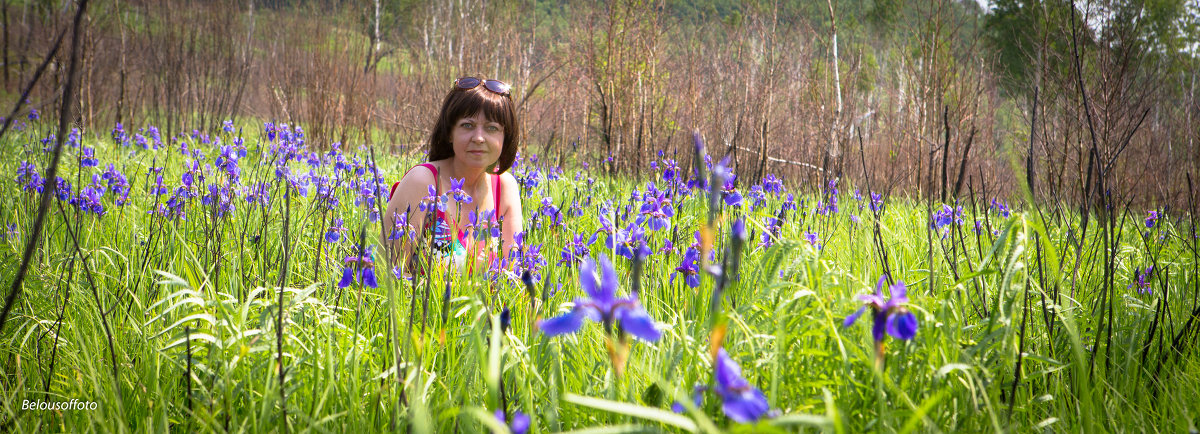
column 218, row 281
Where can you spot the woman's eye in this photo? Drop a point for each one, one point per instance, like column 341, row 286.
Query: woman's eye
column 493, row 128
column 468, row 125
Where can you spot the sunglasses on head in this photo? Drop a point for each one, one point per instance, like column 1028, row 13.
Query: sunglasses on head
column 496, row 86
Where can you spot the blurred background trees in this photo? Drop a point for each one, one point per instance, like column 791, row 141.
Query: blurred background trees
column 936, row 91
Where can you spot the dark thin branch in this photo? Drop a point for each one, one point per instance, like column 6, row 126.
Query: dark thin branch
column 49, row 191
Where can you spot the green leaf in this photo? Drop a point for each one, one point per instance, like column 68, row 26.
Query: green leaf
column 658, row 415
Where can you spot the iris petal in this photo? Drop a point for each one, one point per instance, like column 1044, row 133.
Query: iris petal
column 872, row 299
column 587, row 278
column 638, row 323
column 566, row 323
column 608, row 279
column 878, row 327
column 899, row 294
column 746, row 407
column 347, row 277
column 368, row 275
column 902, row 325
column 728, row 374
column 854, row 317
column 520, row 423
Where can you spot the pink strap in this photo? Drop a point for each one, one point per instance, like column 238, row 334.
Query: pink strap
column 496, row 192
column 496, row 186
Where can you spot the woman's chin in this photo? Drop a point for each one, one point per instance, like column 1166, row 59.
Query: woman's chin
column 480, row 161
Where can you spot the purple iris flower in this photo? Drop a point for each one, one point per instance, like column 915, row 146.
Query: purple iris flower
column 772, row 184
column 89, row 200
column 520, row 422
column 33, row 114
column 602, row 305
column 334, row 234
column 118, row 135
column 757, row 196
column 551, row 212
column 1140, row 277
column 457, row 193
column 876, row 202
column 269, row 128
column 670, row 170
column 117, row 183
column 829, row 205
column 945, row 217
column 668, row 247
column 220, row 196
column 577, row 249
column 175, row 204
column 1151, row 219
column 432, row 201
column 889, row 315
column 89, row 158
column 483, row 224
column 399, row 226
column 657, row 211
column 690, row 267
column 629, row 240
column 73, row 138
column 740, row 401
column 1001, row 208
column 158, row 188
column 152, row 132
column 813, row 239
column 731, row 195
column 531, row 261
column 28, row 176
column 141, row 141
column 360, row 267
column 227, row 161
column 257, row 193
column 63, row 191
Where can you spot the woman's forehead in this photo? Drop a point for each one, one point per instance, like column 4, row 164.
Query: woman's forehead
column 478, row 116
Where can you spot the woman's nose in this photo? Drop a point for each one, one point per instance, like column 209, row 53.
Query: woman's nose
column 478, row 136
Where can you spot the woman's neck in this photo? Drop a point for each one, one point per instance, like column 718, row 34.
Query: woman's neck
column 471, row 176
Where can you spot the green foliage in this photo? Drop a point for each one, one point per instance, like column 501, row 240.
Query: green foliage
column 194, row 308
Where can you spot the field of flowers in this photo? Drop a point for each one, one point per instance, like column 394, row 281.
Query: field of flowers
column 237, row 280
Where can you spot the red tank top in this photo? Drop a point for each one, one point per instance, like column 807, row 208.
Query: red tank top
column 441, row 216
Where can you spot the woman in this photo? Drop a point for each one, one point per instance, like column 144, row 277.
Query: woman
column 473, row 143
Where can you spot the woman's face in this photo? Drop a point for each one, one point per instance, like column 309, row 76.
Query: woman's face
column 477, row 141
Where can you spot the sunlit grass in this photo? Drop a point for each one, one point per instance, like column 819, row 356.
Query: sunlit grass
column 193, row 306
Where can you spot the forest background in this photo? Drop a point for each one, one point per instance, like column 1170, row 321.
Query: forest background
column 937, row 97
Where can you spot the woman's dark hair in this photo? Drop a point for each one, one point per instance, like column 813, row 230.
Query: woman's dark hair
column 460, row 103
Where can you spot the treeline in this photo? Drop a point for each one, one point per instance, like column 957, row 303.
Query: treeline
column 936, row 98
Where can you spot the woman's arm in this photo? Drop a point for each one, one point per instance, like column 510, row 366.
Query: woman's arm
column 510, row 208
column 407, row 198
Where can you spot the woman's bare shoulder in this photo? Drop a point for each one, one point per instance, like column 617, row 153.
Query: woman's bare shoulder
column 412, row 186
column 509, row 182
column 418, row 176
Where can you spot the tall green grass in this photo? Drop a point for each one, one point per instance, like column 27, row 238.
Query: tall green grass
column 194, row 308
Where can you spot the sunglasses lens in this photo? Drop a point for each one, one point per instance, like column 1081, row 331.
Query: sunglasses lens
column 467, row 82
column 496, row 86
